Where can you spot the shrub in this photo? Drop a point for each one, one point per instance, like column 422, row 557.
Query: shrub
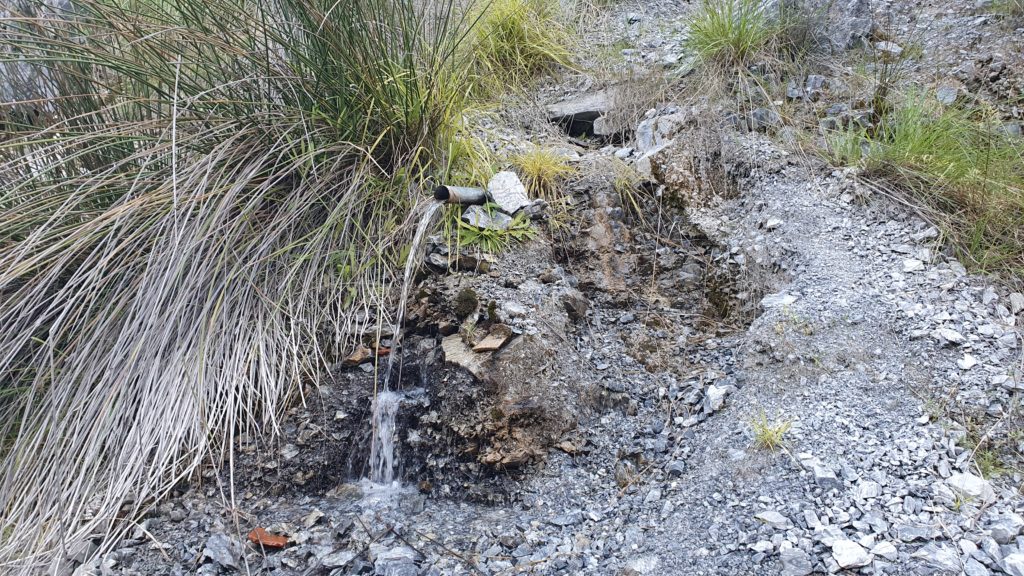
column 202, row 193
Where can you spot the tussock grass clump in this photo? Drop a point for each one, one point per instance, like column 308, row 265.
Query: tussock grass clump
column 544, row 172
column 202, row 201
column 514, row 40
column 769, row 435
column 955, row 163
column 730, row 32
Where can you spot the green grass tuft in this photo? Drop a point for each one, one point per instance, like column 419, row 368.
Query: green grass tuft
column 514, row 40
column 543, row 172
column 730, row 32
column 769, row 435
column 958, row 165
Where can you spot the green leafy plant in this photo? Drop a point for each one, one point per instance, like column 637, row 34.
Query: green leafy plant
column 490, row 240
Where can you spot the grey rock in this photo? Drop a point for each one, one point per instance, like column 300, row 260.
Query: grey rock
column 972, row 488
column 889, row 50
column 974, row 568
column 826, row 478
column 885, row 550
column 223, row 550
column 676, row 468
column 714, row 398
column 337, row 559
column 567, row 519
column 764, row 119
column 575, row 304
column 1005, row 528
column 1016, row 302
column 939, row 556
column 508, row 192
column 948, row 336
column 778, row 300
column 867, row 489
column 795, row 562
column 478, row 217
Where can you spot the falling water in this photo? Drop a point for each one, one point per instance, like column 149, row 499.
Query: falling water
column 385, row 405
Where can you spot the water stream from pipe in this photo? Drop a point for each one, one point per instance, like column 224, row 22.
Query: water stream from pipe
column 386, row 403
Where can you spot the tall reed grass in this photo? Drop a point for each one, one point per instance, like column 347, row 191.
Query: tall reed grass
column 202, row 203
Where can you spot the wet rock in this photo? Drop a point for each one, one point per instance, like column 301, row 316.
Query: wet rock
column 223, row 550
column 456, row 352
column 508, row 192
column 357, row 357
column 849, row 554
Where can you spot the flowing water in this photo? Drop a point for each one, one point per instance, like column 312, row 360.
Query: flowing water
column 385, row 405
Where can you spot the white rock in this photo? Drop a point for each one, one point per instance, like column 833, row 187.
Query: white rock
column 508, row 192
column 886, row 550
column 1016, row 302
column 948, row 335
column 867, row 489
column 967, row 362
column 972, row 488
column 912, row 265
column 1014, row 564
column 777, row 300
column 849, row 554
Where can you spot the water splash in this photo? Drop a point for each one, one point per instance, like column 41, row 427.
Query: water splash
column 382, row 445
column 386, row 403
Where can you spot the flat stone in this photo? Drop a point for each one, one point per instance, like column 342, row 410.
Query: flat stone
column 967, row 362
column 867, row 489
column 974, row 568
column 826, row 478
column 939, row 556
column 1016, row 302
column 774, row 519
column 223, row 550
column 849, row 554
column 912, row 265
column 456, row 352
column 948, row 336
column 885, row 550
column 495, row 339
column 972, row 488
column 508, row 192
column 795, row 562
column 1013, row 564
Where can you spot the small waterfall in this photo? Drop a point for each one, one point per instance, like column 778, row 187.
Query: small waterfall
column 385, row 405
column 382, row 445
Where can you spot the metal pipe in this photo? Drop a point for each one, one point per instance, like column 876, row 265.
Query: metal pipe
column 460, row 195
